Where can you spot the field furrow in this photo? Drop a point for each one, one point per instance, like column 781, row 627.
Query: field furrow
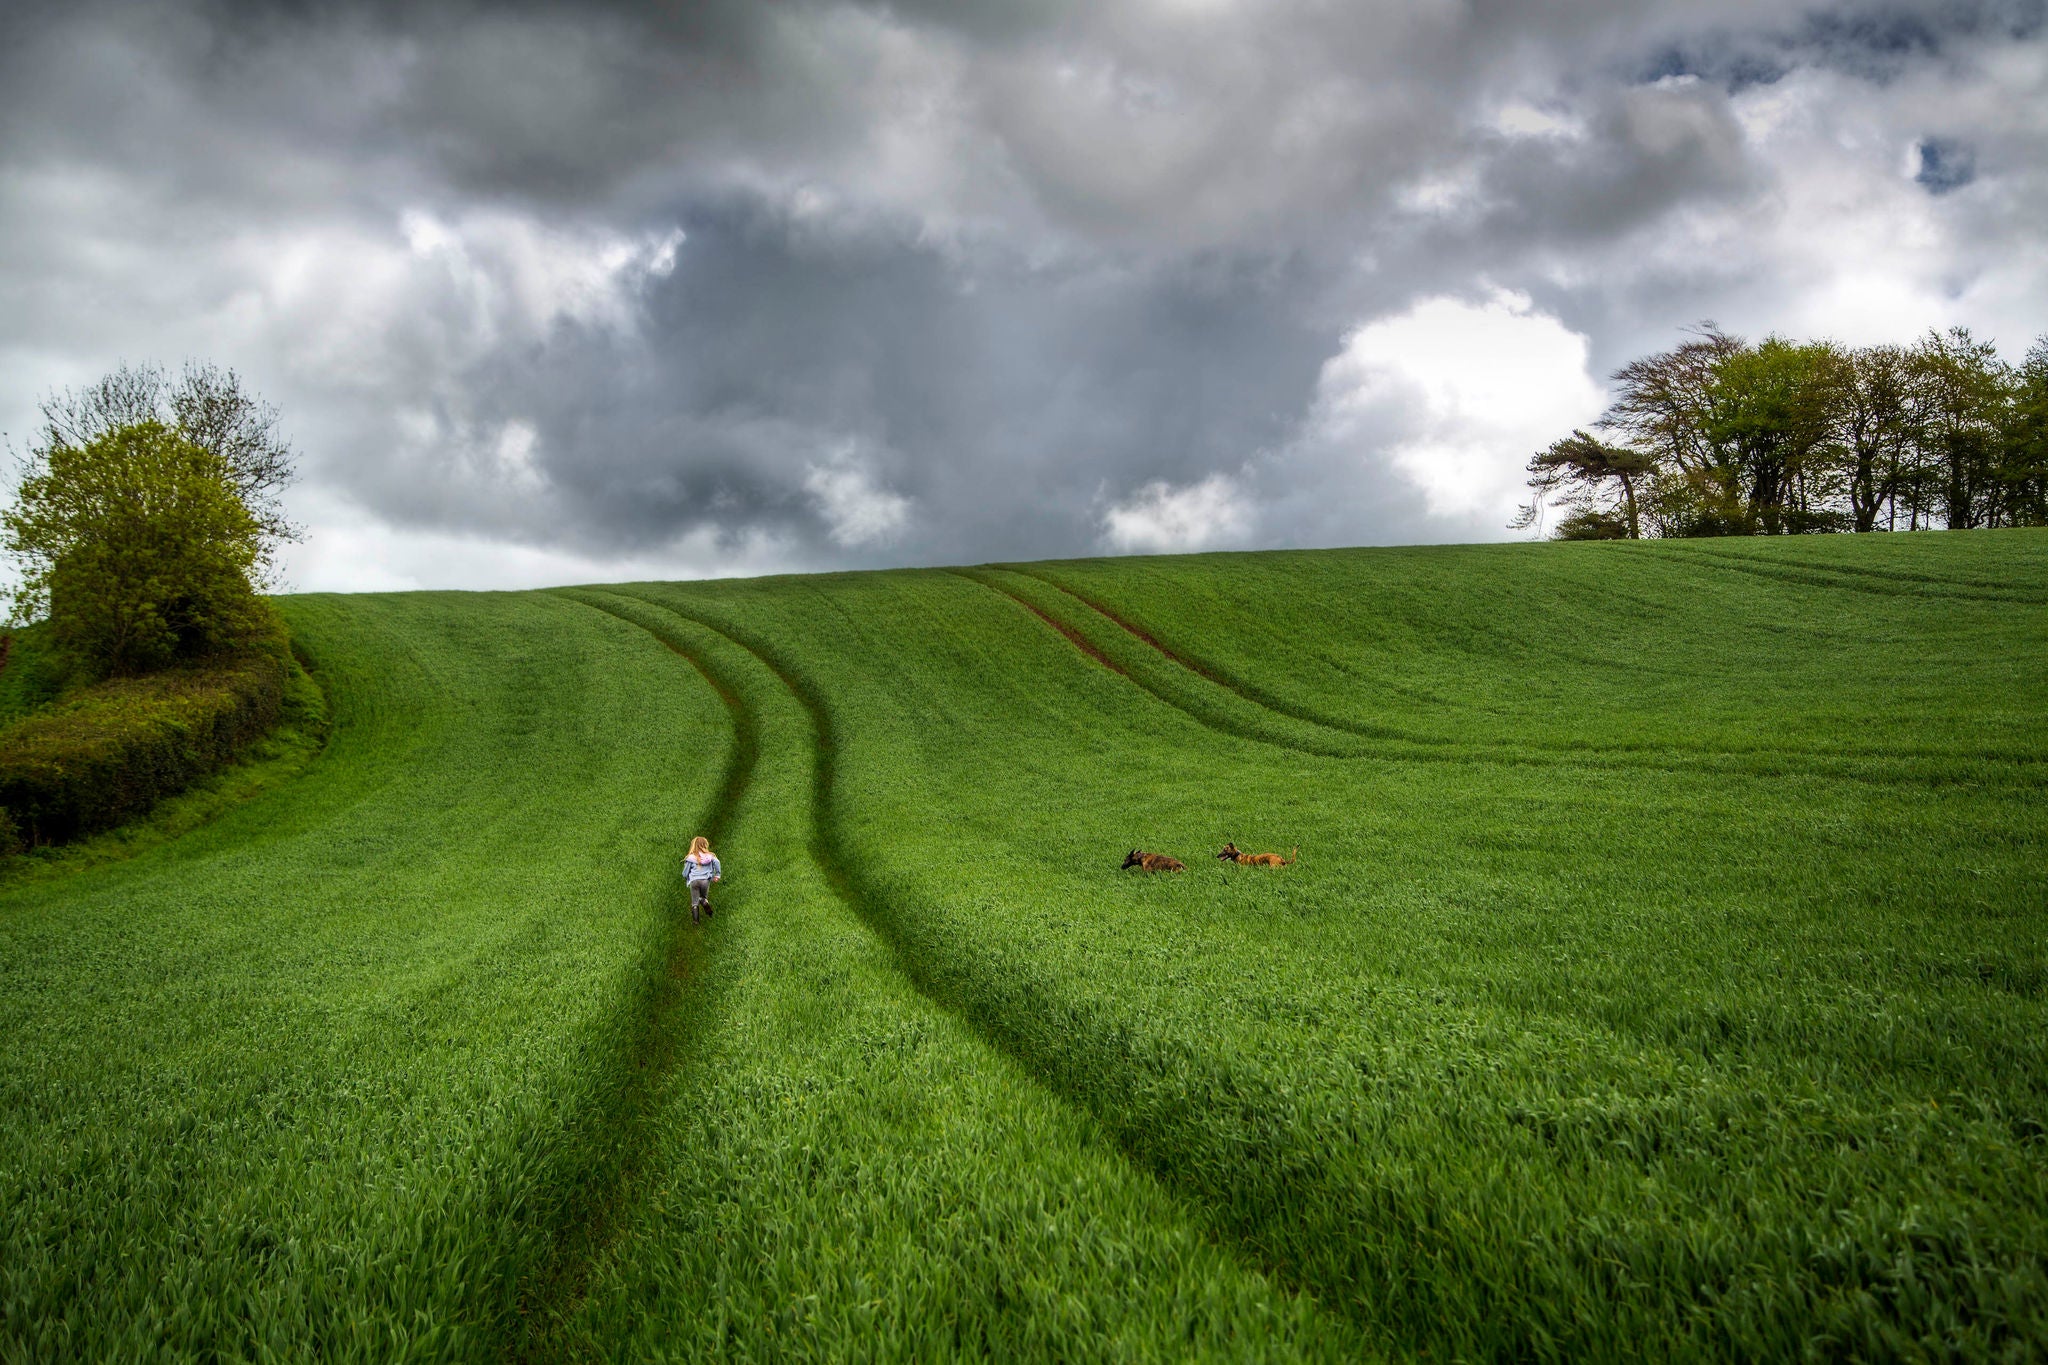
column 681, row 1002
column 1616, row 648
column 1130, row 650
column 1250, row 691
column 2013, row 587
column 1159, row 673
column 1809, row 572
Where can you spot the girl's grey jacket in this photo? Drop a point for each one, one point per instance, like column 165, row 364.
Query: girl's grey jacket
column 704, row 871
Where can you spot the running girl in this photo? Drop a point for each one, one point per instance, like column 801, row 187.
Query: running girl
column 701, row 869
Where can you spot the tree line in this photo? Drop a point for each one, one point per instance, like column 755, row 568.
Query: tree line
column 1720, row 436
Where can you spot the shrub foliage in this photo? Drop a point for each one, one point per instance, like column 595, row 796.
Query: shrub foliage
column 139, row 549
column 112, row 750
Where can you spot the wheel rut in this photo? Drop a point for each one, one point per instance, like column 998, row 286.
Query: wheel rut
column 1341, row 746
column 1257, row 696
column 1879, row 767
column 1812, row 574
column 1930, row 584
column 821, row 846
column 672, row 1013
column 834, row 862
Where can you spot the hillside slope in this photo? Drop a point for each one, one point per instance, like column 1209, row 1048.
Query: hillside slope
column 1664, row 967
column 1663, row 973
column 325, row 1075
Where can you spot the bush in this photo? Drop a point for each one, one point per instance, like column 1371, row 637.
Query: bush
column 1592, row 524
column 111, row 751
column 33, row 674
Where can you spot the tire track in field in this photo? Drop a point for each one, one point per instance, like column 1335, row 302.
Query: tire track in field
column 1341, row 746
column 671, row 1016
column 1382, row 743
column 1880, row 767
column 1926, row 584
column 1089, row 1050
column 834, row 861
column 1807, row 573
column 823, row 845
column 1255, row 695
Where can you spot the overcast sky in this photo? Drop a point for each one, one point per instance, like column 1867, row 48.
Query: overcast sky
column 583, row 292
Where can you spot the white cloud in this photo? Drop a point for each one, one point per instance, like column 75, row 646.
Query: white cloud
column 1524, row 120
column 857, row 510
column 1162, row 519
column 523, row 275
column 1442, row 193
column 513, row 457
column 348, row 549
column 1862, row 252
column 1457, row 396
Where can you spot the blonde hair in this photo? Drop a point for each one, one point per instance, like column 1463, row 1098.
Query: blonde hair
column 700, row 844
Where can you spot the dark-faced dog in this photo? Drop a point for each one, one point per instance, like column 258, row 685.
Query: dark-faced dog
column 1153, row 862
column 1232, row 854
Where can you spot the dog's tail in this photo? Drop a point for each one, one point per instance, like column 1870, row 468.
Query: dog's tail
column 1294, row 857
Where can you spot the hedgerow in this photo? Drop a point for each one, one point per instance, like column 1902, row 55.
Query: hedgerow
column 114, row 749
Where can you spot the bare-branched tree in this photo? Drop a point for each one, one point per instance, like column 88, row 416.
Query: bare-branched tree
column 209, row 407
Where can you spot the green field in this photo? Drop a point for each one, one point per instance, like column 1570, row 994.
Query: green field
column 1662, row 976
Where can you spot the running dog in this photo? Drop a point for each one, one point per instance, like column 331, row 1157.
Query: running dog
column 1153, row 862
column 1232, row 854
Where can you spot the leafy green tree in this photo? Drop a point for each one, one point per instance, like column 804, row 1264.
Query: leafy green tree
column 1771, row 424
column 1667, row 404
column 1672, row 407
column 139, row 548
column 1721, row 437
column 1732, row 438
column 1877, row 419
column 2023, row 462
column 209, row 407
column 1964, row 388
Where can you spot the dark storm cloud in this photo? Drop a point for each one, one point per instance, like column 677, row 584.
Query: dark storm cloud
column 996, row 395
column 1647, row 152
column 924, row 280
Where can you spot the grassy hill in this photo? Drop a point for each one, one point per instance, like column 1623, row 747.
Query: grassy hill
column 1662, row 974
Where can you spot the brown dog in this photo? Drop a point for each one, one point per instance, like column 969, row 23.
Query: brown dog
column 1232, row 854
column 1153, row 862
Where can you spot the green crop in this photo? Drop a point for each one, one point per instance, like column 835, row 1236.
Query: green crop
column 329, row 1075
column 842, row 1169
column 1662, row 975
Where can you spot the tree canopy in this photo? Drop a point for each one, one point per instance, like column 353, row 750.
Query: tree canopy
column 139, row 547
column 205, row 404
column 1721, row 436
